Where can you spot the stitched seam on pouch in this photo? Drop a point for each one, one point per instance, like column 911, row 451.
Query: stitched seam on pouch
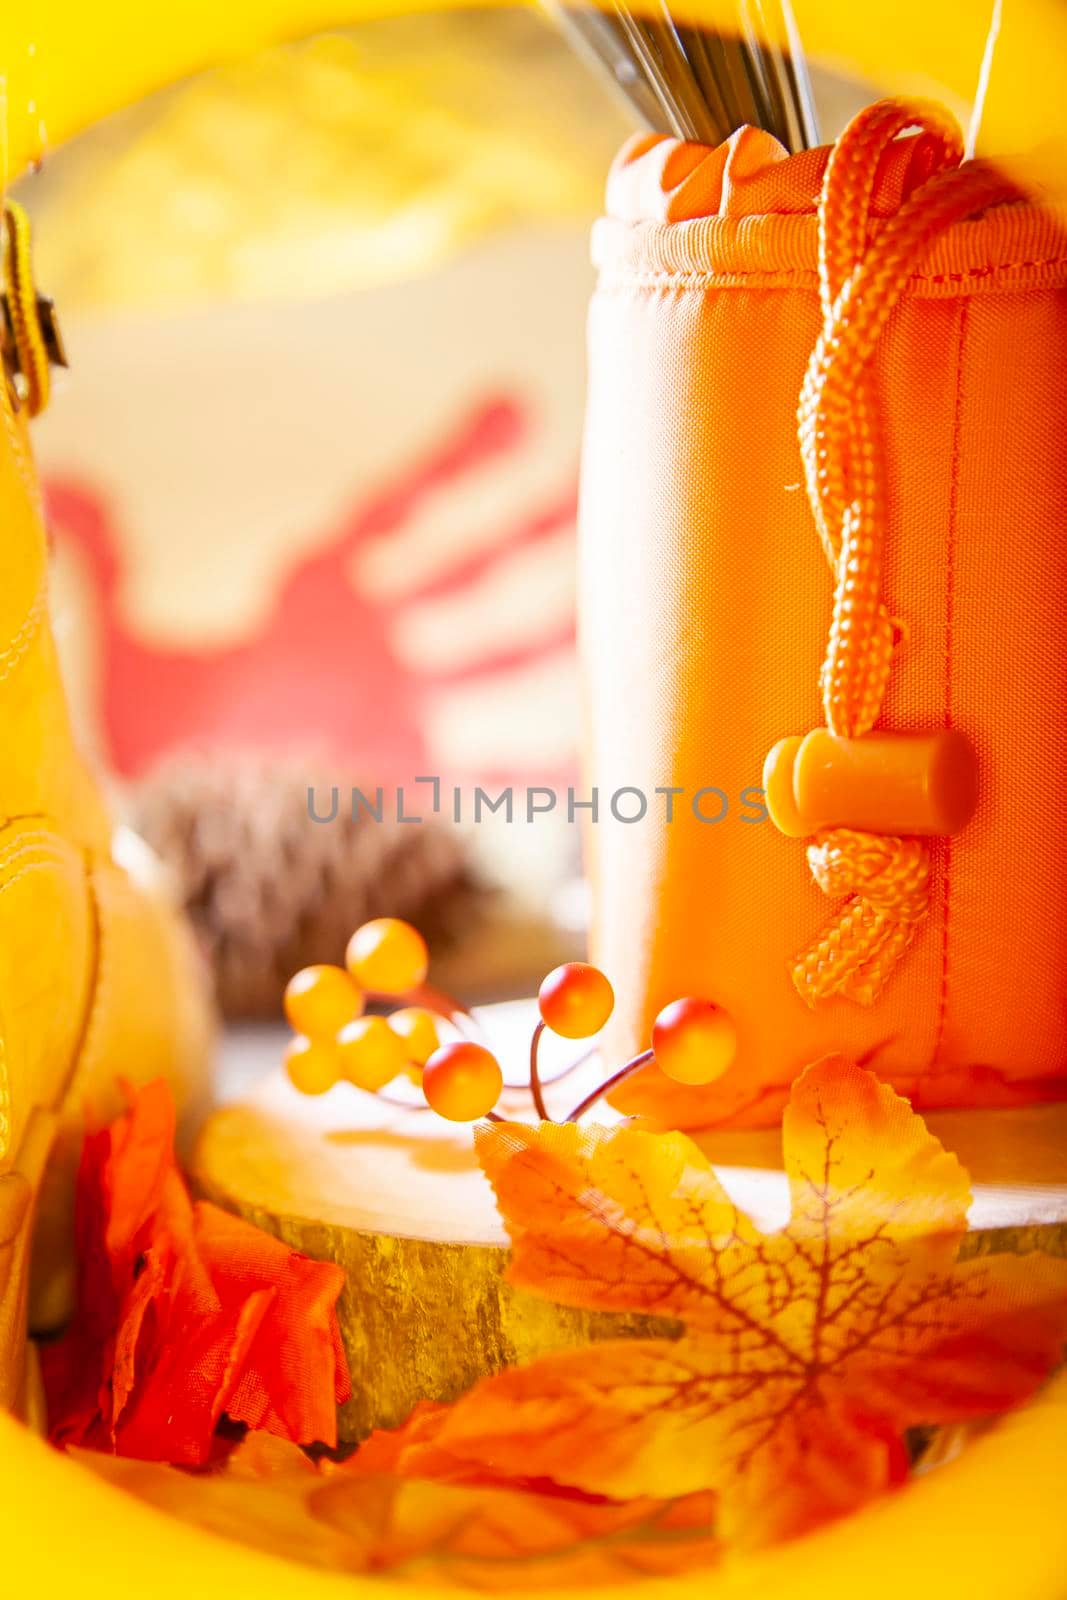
column 41, row 843
column 621, row 281
column 987, row 272
column 950, row 598
column 618, row 278
column 14, row 652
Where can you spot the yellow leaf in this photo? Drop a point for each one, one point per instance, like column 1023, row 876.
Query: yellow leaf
column 259, row 1496
column 807, row 1352
column 269, row 1495
column 489, row 1537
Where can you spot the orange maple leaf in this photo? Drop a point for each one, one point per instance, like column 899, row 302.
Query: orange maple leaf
column 268, row 1494
column 805, row 1353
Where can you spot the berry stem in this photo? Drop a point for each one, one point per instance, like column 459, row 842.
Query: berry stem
column 535, row 1078
column 401, row 1105
column 572, row 1066
column 609, row 1083
column 435, row 1000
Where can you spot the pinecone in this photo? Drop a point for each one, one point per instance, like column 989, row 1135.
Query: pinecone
column 268, row 890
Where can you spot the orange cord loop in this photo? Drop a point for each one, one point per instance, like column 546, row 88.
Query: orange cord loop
column 888, row 880
column 862, row 276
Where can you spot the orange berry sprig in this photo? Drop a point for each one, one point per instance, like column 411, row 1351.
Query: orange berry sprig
column 462, row 1081
column 325, row 1005
column 320, row 1000
column 370, row 1054
column 311, row 1065
column 417, row 1028
column 575, row 1001
column 388, row 956
column 693, row 1041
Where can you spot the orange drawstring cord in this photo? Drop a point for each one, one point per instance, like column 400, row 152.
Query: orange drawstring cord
column 861, row 279
column 22, row 309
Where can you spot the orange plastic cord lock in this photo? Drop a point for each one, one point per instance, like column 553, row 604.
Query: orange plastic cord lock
column 885, row 783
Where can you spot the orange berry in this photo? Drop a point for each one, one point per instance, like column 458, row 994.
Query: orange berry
column 693, row 1041
column 576, row 1000
column 312, row 1066
column 462, row 1081
column 320, row 1000
column 388, row 956
column 417, row 1028
column 370, row 1054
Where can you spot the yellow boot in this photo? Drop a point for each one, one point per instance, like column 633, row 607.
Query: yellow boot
column 98, row 976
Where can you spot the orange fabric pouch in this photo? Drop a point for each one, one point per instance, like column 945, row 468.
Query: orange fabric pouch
column 896, row 566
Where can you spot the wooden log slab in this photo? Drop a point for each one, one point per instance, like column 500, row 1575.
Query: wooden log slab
column 396, row 1197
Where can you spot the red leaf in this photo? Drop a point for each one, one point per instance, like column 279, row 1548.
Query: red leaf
column 185, row 1312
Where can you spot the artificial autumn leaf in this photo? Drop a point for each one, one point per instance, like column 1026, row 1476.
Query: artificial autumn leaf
column 806, row 1352
column 491, row 1537
column 259, row 1495
column 296, row 1337
column 269, row 1495
column 184, row 1312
